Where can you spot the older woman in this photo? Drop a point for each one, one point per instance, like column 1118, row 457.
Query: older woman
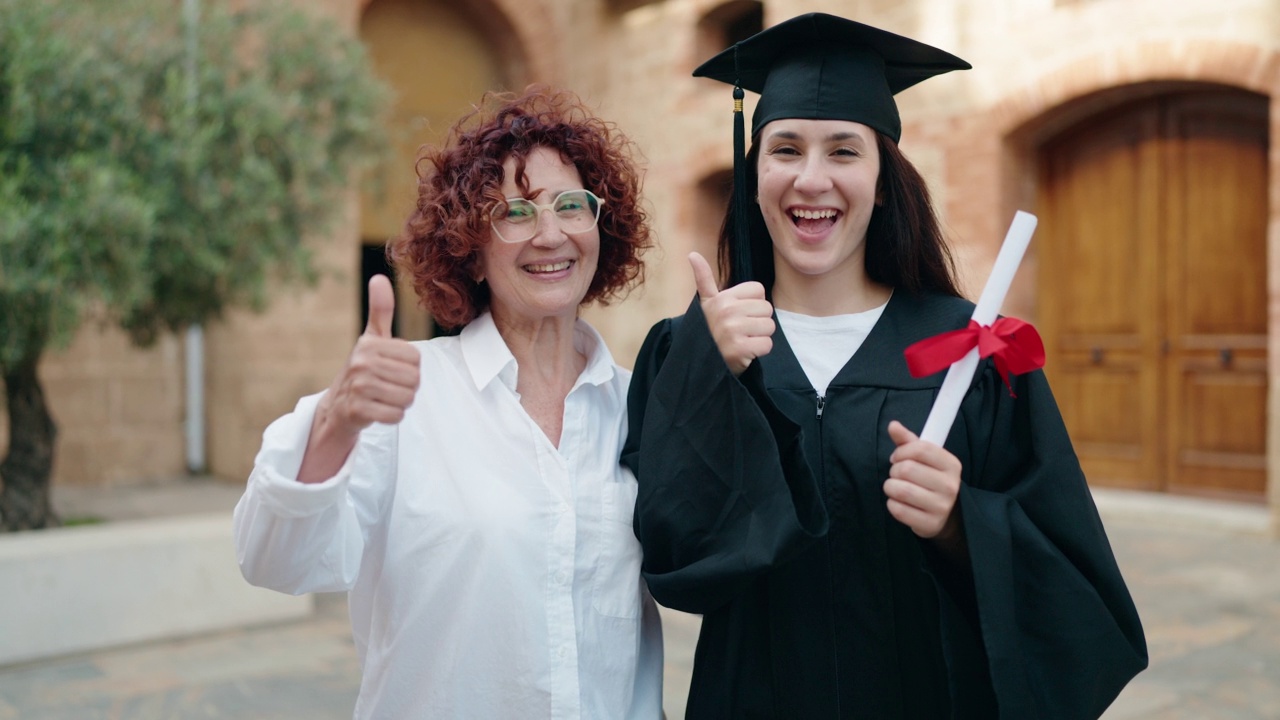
column 466, row 490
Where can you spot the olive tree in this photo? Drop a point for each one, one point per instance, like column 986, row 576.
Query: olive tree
column 156, row 171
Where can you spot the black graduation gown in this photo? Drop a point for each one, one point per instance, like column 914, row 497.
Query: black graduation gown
column 760, row 507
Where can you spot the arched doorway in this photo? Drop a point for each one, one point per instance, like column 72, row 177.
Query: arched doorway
column 439, row 63
column 1153, row 290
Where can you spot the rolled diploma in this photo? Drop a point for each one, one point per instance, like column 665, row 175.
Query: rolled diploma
column 960, row 374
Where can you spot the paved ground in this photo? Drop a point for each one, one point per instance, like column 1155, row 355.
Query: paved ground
column 1205, row 578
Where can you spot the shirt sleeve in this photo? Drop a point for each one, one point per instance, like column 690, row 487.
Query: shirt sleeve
column 1059, row 627
column 725, row 491
column 297, row 537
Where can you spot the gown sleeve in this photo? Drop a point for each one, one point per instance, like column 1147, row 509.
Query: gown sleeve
column 725, row 492
column 1059, row 627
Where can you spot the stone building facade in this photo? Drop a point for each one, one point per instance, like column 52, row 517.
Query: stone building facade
column 1139, row 131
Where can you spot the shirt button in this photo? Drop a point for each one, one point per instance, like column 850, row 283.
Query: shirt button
column 562, row 577
column 562, row 651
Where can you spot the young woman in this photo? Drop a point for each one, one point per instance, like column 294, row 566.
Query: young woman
column 845, row 568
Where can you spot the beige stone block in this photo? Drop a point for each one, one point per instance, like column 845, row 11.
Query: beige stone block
column 139, row 454
column 85, row 588
column 143, row 403
column 74, row 462
column 79, row 401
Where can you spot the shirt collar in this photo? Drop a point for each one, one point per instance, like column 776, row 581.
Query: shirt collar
column 487, row 356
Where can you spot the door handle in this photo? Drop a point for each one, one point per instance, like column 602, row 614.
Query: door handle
column 1226, row 356
column 1095, row 355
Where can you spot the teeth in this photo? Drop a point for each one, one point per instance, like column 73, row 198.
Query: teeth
column 814, row 214
column 551, row 267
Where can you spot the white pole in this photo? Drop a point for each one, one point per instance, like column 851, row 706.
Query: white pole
column 194, row 339
column 195, row 400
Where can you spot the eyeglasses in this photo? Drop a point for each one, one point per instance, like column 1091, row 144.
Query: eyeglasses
column 516, row 219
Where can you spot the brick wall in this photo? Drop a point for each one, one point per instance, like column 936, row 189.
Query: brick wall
column 972, row 135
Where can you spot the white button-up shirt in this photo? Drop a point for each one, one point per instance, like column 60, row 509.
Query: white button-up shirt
column 490, row 574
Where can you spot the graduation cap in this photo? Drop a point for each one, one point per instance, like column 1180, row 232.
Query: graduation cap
column 818, row 67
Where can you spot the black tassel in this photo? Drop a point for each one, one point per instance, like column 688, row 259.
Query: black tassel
column 740, row 250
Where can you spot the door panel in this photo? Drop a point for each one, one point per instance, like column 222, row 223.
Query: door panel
column 1098, row 404
column 1153, row 292
column 1097, row 272
column 1215, row 155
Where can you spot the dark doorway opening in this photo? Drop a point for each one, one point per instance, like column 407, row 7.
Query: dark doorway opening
column 373, row 261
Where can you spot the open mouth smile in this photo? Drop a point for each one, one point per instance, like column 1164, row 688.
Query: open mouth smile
column 549, row 267
column 813, row 221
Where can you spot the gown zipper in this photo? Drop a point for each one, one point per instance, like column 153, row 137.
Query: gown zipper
column 821, row 405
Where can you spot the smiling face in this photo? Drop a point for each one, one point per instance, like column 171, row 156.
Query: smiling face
column 817, row 190
column 548, row 275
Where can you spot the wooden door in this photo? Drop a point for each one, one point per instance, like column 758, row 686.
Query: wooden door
column 1215, row 155
column 1153, row 292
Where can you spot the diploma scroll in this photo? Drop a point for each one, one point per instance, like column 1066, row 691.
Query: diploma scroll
column 960, row 375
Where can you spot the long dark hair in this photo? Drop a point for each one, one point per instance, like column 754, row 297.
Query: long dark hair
column 905, row 248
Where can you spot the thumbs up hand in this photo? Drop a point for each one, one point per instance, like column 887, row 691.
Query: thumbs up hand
column 380, row 378
column 377, row 384
column 740, row 318
column 382, row 307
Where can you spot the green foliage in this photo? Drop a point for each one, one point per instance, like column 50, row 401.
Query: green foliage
column 82, row 520
column 130, row 185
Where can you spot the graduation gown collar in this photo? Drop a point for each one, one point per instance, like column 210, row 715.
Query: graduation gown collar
column 879, row 362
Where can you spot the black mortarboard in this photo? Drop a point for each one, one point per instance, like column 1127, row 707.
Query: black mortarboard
column 820, row 67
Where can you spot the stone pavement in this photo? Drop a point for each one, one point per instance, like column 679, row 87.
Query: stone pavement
column 1205, row 577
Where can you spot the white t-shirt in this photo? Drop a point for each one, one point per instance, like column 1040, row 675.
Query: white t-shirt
column 490, row 574
column 823, row 345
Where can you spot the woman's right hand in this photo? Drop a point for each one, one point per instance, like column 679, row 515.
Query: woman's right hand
column 377, row 384
column 740, row 318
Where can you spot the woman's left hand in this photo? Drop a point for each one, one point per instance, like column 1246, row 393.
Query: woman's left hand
column 924, row 481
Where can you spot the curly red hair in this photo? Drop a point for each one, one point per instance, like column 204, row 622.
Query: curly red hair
column 459, row 187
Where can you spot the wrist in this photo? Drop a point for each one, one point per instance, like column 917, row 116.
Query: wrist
column 328, row 446
column 329, row 430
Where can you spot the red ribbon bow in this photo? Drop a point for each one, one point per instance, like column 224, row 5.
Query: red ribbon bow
column 1014, row 345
